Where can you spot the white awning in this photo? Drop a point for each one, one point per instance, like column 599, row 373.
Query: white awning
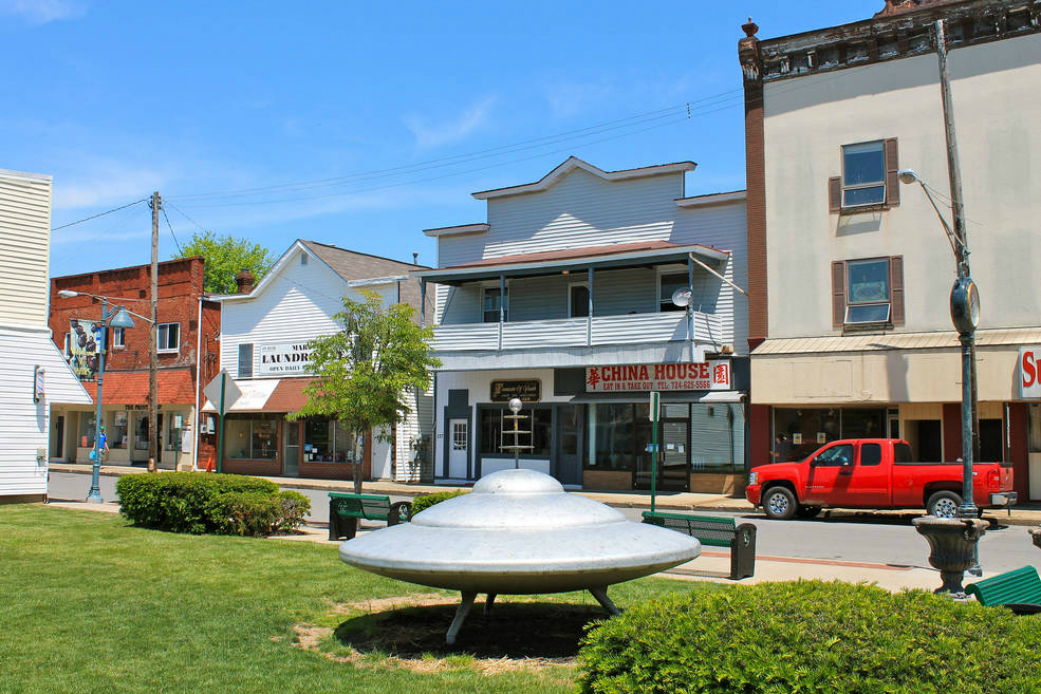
column 255, row 394
column 893, row 341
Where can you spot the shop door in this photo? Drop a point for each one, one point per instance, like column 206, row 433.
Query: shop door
column 458, row 447
column 569, row 444
column 291, row 455
column 674, row 455
column 59, row 432
column 139, row 453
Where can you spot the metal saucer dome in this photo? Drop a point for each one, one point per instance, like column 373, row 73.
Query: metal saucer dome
column 519, row 532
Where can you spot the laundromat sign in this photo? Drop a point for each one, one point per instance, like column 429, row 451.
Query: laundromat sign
column 708, row 375
column 284, row 359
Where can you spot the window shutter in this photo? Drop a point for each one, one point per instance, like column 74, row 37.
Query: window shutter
column 838, row 294
column 892, row 166
column 896, row 288
column 835, row 194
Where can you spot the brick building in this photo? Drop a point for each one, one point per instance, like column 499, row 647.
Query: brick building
column 184, row 350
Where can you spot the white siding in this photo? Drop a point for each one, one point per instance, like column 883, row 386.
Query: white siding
column 583, row 210
column 996, row 106
column 25, row 232
column 299, row 304
column 24, row 424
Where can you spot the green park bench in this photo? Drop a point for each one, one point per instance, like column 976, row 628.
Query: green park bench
column 1018, row 590
column 345, row 510
column 714, row 532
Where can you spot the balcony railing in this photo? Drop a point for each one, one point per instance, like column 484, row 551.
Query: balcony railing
column 578, row 332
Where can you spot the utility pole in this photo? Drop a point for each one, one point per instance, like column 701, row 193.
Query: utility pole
column 961, row 248
column 153, row 342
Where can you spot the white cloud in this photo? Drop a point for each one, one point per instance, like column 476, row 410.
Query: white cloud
column 430, row 134
column 43, row 11
column 106, row 183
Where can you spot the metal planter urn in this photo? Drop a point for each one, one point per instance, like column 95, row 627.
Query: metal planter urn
column 952, row 544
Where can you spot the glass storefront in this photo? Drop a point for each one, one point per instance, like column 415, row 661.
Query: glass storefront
column 494, row 432
column 693, row 437
column 251, row 436
column 798, row 432
column 327, row 441
column 118, row 437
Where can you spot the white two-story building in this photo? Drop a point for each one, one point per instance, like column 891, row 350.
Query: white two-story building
column 265, row 331
column 583, row 292
column 33, row 374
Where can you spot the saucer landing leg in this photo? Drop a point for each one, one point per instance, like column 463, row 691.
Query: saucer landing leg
column 488, row 604
column 601, row 597
column 460, row 617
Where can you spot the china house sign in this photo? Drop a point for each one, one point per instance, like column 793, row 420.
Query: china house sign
column 710, row 375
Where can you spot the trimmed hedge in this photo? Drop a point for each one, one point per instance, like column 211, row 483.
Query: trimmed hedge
column 200, row 502
column 424, row 501
column 812, row 637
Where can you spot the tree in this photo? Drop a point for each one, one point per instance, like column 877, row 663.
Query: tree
column 363, row 373
column 225, row 257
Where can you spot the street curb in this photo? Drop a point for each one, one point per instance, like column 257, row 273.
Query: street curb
column 1023, row 517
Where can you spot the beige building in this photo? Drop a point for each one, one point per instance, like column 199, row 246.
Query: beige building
column 850, row 271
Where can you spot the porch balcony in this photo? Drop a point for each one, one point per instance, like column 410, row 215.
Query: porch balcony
column 513, row 312
column 577, row 332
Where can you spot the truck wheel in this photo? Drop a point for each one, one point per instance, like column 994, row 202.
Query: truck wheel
column 809, row 511
column 779, row 503
column 943, row 504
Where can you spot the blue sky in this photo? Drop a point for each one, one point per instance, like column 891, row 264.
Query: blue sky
column 390, row 113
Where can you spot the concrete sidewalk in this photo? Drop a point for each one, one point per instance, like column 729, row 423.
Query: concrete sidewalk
column 711, row 566
column 1029, row 514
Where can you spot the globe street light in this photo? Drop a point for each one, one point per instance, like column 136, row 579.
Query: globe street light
column 117, row 317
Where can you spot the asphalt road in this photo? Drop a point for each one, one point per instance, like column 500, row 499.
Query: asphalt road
column 868, row 538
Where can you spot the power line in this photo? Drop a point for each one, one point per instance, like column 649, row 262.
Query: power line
column 446, row 175
column 183, row 214
column 167, row 217
column 100, row 214
column 534, row 143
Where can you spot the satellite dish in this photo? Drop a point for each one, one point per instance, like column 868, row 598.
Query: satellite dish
column 681, row 297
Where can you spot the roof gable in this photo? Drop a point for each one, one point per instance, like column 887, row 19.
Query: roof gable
column 573, row 163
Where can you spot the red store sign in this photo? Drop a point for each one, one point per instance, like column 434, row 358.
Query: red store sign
column 710, row 375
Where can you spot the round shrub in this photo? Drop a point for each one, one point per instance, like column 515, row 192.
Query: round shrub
column 200, row 502
column 812, row 637
column 424, row 501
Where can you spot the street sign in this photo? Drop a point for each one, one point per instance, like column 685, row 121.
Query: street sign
column 655, row 405
column 231, row 392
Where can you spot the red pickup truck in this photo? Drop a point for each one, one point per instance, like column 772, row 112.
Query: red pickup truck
column 872, row 473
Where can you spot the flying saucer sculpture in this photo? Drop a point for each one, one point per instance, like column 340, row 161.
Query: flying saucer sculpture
column 519, row 533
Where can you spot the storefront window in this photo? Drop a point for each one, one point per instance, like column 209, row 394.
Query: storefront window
column 175, row 427
column 117, row 436
column 86, row 437
column 495, row 428
column 612, row 430
column 804, row 430
column 1034, row 427
column 250, row 437
column 717, row 437
column 327, row 441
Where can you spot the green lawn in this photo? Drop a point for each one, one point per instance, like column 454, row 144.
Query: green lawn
column 90, row 604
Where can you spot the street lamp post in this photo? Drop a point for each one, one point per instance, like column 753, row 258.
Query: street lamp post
column 954, row 542
column 118, row 317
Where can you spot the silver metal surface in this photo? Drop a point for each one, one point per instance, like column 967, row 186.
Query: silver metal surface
column 519, row 532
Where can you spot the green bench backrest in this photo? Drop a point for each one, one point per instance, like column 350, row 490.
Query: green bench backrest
column 1019, row 586
column 709, row 530
column 368, row 506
